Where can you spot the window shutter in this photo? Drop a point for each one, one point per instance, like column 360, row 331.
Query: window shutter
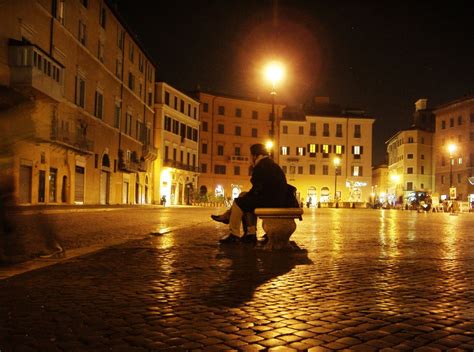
column 289, row 151
column 360, row 170
column 352, row 150
column 317, row 148
column 361, row 149
column 330, row 148
column 352, row 170
column 343, row 149
column 322, row 149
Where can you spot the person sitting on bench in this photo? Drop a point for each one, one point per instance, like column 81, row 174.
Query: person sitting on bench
column 269, row 190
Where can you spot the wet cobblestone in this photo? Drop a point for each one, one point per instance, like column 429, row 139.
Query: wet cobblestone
column 364, row 280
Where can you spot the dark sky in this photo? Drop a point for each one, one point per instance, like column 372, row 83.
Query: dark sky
column 379, row 56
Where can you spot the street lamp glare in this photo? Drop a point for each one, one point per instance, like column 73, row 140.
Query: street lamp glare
column 269, row 145
column 395, row 178
column 452, row 148
column 337, row 161
column 274, row 72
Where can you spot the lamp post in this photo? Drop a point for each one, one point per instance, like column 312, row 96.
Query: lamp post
column 452, row 190
column 451, row 149
column 395, row 179
column 337, row 162
column 274, row 73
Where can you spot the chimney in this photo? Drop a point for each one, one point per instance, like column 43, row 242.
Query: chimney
column 421, row 104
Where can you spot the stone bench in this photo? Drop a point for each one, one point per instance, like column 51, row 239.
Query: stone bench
column 279, row 224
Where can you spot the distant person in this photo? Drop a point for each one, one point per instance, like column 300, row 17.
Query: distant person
column 269, row 190
column 163, row 200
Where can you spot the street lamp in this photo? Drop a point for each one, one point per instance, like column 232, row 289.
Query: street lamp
column 269, row 146
column 337, row 162
column 451, row 149
column 274, row 72
column 395, row 179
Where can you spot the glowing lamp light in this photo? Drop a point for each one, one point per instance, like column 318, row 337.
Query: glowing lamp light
column 452, row 148
column 269, row 145
column 274, row 72
column 337, row 162
column 395, row 178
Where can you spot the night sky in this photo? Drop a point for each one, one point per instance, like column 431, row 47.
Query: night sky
column 380, row 57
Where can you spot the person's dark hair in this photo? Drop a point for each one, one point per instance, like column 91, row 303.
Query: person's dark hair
column 258, row 149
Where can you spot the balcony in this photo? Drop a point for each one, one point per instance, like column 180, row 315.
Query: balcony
column 178, row 165
column 31, row 68
column 129, row 162
column 239, row 159
column 76, row 140
column 149, row 152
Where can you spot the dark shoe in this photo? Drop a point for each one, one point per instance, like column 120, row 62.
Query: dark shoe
column 250, row 238
column 229, row 239
column 220, row 218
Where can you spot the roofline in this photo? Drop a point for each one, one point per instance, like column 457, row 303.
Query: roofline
column 236, row 97
column 177, row 90
column 453, row 102
column 113, row 8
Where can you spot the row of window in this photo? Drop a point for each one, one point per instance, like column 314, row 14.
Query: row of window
column 142, row 132
column 459, row 121
column 445, row 179
column 237, row 129
column 356, row 170
column 180, row 129
column 49, row 68
column 190, row 158
column 58, row 11
column 326, row 130
column 237, row 112
column 181, row 106
column 325, row 149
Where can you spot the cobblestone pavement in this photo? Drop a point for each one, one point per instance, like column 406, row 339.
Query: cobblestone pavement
column 364, row 280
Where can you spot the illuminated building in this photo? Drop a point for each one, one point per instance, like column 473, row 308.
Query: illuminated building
column 229, row 126
column 455, row 125
column 81, row 107
column 410, row 154
column 176, row 136
column 311, row 139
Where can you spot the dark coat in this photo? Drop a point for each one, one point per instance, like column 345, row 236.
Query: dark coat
column 269, row 188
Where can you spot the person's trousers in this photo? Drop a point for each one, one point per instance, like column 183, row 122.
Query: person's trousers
column 238, row 217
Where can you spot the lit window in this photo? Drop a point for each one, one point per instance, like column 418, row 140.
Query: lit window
column 355, row 171
column 460, row 161
column 312, row 148
column 300, row 151
column 285, row 150
column 338, row 149
column 325, row 148
column 357, row 150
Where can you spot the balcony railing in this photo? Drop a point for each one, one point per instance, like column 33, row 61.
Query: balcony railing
column 30, row 67
column 131, row 163
column 239, row 159
column 149, row 152
column 178, row 165
column 72, row 140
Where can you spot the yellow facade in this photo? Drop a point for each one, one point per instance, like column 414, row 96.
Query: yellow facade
column 309, row 147
column 455, row 125
column 176, row 135
column 88, row 89
column 229, row 126
column 410, row 165
column 380, row 183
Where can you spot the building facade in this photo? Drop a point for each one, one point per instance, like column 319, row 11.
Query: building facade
column 176, row 136
column 455, row 126
column 229, row 126
column 83, row 131
column 327, row 153
column 380, row 183
column 410, row 165
column 410, row 157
